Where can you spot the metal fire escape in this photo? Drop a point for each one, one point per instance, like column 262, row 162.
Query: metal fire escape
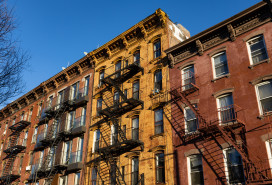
column 228, row 127
column 55, row 109
column 113, row 140
column 16, row 145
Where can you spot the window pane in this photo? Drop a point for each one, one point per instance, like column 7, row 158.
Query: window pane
column 158, row 115
column 220, row 65
column 135, row 128
column 265, row 90
column 158, row 80
column 267, row 104
column 225, row 101
column 136, row 90
column 235, row 166
column 258, row 51
column 196, row 170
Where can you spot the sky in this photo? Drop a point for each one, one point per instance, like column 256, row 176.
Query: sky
column 55, row 33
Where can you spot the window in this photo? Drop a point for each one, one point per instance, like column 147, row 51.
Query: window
column 114, row 134
column 257, row 50
column 80, row 148
column 190, row 120
column 96, row 140
column 6, row 126
column 31, row 159
column 264, row 93
column 125, row 93
column 101, row 77
column 157, row 48
column 158, row 81
column 136, row 58
column 14, row 121
column 135, row 128
column 60, row 97
column 220, row 64
column 94, row 175
column 98, row 106
column 269, row 151
column 160, row 169
column 83, row 116
column 118, row 69
column 74, row 91
column 125, row 130
column 39, row 109
column 123, row 172
column 64, row 180
column 86, row 85
column 188, row 77
column 158, row 121
column 67, row 148
column 22, row 116
column 135, row 171
column 77, row 178
column 135, row 90
column 30, row 114
column 116, row 97
column 71, row 120
column 34, row 138
column 195, row 170
column 52, row 158
column 25, row 139
column 234, row 166
column 1, row 148
column 226, row 111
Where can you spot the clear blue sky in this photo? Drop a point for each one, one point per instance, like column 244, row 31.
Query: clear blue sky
column 56, row 32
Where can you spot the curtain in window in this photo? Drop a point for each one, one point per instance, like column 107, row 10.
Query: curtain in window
column 227, row 112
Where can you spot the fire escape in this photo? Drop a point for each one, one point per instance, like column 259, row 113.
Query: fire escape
column 16, row 145
column 229, row 128
column 51, row 137
column 114, row 141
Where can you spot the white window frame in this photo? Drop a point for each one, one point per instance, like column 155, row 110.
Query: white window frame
column 65, row 179
column 94, row 139
column 186, row 127
column 219, row 106
column 74, row 90
column 226, row 165
column 77, row 178
column 258, row 96
column 269, row 152
column 182, row 75
column 6, row 126
column 35, row 134
column 189, row 168
column 213, row 68
column 249, row 50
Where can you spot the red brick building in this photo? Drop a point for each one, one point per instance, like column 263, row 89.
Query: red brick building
column 221, row 101
column 44, row 133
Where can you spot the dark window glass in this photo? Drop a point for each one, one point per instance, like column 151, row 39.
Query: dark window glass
column 116, row 98
column 136, row 58
column 135, row 171
column 118, row 69
column 158, row 121
column 235, row 166
column 160, row 171
column 158, row 80
column 101, row 77
column 135, row 128
column 196, row 170
column 157, row 48
column 136, row 89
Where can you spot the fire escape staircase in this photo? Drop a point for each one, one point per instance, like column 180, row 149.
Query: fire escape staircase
column 109, row 152
column 210, row 131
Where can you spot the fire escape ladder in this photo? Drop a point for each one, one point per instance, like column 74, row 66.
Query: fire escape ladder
column 210, row 149
column 175, row 121
column 253, row 169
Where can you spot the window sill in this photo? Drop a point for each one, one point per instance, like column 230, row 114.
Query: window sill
column 264, row 61
column 264, row 115
column 155, row 60
column 157, row 135
column 220, row 77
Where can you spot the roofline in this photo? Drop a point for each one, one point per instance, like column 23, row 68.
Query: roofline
column 217, row 26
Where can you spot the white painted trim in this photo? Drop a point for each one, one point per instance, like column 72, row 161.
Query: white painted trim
column 269, row 154
column 258, row 96
column 213, row 66
column 249, row 50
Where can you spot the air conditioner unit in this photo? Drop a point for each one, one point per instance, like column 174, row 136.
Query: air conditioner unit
column 28, row 168
column 156, row 91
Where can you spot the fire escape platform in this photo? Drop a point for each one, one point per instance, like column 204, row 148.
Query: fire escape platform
column 10, row 178
column 19, row 125
column 121, row 108
column 15, row 149
column 126, row 73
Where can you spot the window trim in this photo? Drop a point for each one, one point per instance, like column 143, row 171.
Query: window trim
column 218, row 105
column 156, row 167
column 154, row 51
column 158, row 121
column 182, row 73
column 213, row 65
column 269, row 152
column 185, row 120
column 189, row 168
column 261, row 111
column 249, row 50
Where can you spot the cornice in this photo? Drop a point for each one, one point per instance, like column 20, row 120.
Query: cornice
column 224, row 31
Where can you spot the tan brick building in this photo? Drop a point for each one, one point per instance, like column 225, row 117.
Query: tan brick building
column 130, row 140
column 45, row 137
